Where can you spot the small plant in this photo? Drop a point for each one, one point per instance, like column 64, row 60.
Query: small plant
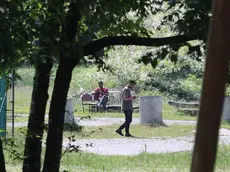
column 9, row 145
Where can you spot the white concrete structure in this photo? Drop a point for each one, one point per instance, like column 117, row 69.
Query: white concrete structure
column 151, row 110
column 226, row 109
column 69, row 112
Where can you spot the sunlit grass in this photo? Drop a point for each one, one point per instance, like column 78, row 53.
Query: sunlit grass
column 23, row 98
column 170, row 162
column 139, row 131
column 88, row 162
column 168, row 112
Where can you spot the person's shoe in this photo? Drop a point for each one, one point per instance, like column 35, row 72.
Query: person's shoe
column 128, row 135
column 119, row 132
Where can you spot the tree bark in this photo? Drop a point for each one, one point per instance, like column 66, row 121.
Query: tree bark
column 49, row 32
column 2, row 159
column 215, row 77
column 32, row 152
column 69, row 57
column 97, row 45
column 56, row 116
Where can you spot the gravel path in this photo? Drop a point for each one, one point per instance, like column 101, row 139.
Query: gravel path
column 110, row 121
column 135, row 146
column 102, row 121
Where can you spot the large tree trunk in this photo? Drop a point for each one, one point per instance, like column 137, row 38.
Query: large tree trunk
column 56, row 116
column 32, row 153
column 2, row 159
column 69, row 57
column 216, row 72
column 50, row 30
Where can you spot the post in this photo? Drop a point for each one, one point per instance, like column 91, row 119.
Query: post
column 69, row 112
column 151, row 110
column 2, row 107
column 12, row 86
column 214, row 82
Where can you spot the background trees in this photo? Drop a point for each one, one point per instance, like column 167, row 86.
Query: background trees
column 68, row 31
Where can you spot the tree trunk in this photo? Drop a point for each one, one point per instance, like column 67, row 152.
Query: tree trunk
column 50, row 30
column 32, row 152
column 2, row 159
column 56, row 116
column 215, row 77
column 69, row 57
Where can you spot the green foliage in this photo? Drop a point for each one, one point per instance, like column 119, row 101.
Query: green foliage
column 26, row 77
column 180, row 81
column 179, row 19
column 19, row 23
column 13, row 146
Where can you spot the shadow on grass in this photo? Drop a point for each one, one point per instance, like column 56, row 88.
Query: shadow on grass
column 155, row 125
column 73, row 127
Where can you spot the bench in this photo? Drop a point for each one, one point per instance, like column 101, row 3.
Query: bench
column 190, row 108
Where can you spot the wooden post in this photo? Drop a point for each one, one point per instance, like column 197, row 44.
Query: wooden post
column 216, row 73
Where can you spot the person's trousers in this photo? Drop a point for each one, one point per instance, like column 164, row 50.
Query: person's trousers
column 103, row 101
column 128, row 120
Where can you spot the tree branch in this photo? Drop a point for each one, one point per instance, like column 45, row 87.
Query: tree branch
column 97, row 45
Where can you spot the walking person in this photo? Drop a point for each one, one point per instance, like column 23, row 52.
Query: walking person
column 127, row 108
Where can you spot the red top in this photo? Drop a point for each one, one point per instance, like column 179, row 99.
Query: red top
column 99, row 92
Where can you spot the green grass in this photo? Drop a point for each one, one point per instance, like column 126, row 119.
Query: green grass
column 138, row 131
column 82, row 78
column 171, row 162
column 141, row 163
column 26, row 75
column 168, row 112
column 18, row 119
column 88, row 162
column 23, row 97
column 225, row 124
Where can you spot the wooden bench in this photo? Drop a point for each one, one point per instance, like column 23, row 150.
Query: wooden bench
column 190, row 108
column 87, row 100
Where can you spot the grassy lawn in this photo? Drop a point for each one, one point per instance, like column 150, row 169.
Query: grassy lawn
column 23, row 97
column 168, row 112
column 22, row 105
column 138, row 131
column 171, row 162
column 87, row 162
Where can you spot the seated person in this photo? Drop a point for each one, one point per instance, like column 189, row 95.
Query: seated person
column 101, row 94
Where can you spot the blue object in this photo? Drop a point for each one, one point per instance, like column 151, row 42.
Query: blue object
column 2, row 107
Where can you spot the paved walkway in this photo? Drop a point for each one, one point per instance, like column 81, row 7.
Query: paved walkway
column 97, row 121
column 135, row 146
column 102, row 121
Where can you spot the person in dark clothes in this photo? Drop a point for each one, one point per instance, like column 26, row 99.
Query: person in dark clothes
column 127, row 108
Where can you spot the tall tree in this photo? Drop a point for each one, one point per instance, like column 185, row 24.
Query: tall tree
column 2, row 159
column 88, row 26
column 215, row 77
column 69, row 58
column 15, row 39
column 49, row 32
column 112, row 19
